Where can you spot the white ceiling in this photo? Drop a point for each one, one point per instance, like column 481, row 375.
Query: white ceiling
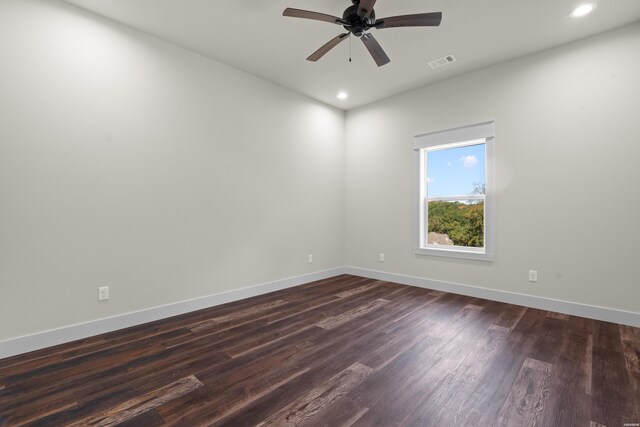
column 252, row 35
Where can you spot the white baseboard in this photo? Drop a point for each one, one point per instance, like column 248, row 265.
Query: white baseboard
column 575, row 309
column 27, row 343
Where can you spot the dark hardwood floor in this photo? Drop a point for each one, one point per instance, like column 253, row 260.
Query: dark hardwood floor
column 342, row 351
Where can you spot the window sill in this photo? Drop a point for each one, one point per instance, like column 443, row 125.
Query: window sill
column 454, row 253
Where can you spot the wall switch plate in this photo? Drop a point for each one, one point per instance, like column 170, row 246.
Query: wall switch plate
column 103, row 293
column 381, row 257
column 310, row 259
column 533, row 276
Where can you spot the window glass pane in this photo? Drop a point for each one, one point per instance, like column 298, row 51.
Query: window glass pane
column 456, row 171
column 459, row 223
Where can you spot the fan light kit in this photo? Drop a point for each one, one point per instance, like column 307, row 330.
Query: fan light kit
column 582, row 10
column 358, row 19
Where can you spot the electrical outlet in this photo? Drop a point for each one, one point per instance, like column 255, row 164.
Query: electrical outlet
column 310, row 259
column 533, row 276
column 381, row 257
column 103, row 293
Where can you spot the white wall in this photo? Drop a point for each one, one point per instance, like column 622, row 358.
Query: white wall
column 568, row 173
column 129, row 162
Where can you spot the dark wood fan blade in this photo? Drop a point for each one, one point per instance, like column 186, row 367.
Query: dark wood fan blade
column 418, row 20
column 366, row 7
column 327, row 47
column 298, row 13
column 375, row 50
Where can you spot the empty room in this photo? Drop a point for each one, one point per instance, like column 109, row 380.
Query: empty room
column 320, row 213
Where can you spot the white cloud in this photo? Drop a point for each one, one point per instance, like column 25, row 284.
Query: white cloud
column 430, row 180
column 469, row 161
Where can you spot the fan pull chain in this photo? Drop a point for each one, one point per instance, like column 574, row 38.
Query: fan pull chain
column 349, row 47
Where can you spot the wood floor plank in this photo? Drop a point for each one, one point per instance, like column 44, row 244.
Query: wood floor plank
column 17, row 422
column 249, row 336
column 401, row 337
column 210, row 409
column 409, row 370
column 463, row 316
column 97, row 367
column 150, row 418
column 304, row 408
column 340, row 351
column 344, row 354
column 510, row 316
column 485, row 401
column 589, row 364
column 323, row 301
column 559, row 316
column 236, row 384
column 345, row 344
column 449, row 399
column 134, row 407
column 330, row 287
column 610, row 379
column 338, row 320
column 353, row 291
column 528, row 397
column 630, row 338
column 344, row 412
column 568, row 398
column 128, row 385
column 254, row 311
column 419, row 369
column 276, row 331
column 550, row 338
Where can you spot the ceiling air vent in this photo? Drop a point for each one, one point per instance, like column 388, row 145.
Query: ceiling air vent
column 441, row 62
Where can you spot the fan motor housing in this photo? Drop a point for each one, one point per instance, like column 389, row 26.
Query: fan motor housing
column 355, row 24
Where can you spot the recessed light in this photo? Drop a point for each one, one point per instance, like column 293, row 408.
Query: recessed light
column 343, row 95
column 582, row 10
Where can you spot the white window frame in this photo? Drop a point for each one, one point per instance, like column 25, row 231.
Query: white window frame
column 481, row 133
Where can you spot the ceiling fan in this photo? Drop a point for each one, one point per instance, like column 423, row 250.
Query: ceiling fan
column 358, row 20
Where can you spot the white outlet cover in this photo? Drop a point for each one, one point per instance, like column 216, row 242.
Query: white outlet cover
column 103, row 293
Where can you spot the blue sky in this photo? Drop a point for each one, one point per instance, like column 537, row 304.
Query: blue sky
column 452, row 172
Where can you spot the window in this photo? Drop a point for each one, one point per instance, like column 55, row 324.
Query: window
column 455, row 204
